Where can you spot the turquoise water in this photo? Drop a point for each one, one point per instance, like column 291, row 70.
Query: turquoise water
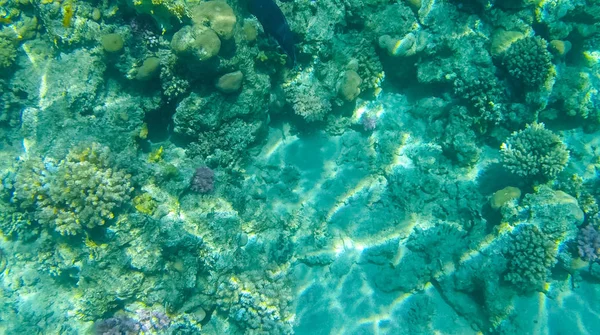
column 299, row 167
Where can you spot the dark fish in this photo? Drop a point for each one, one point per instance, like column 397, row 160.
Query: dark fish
column 274, row 23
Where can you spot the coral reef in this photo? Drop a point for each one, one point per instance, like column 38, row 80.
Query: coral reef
column 534, row 152
column 360, row 190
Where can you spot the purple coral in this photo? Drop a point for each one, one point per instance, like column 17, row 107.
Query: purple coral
column 117, row 326
column 152, row 320
column 144, row 321
column 203, row 180
column 588, row 243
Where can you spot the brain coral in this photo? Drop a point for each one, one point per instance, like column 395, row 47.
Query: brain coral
column 80, row 191
column 535, row 152
column 531, row 256
column 528, row 61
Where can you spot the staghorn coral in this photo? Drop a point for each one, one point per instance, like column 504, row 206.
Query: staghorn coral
column 528, row 62
column 81, row 191
column 531, row 256
column 535, row 152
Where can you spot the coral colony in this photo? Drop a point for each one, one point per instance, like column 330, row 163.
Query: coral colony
column 299, row 167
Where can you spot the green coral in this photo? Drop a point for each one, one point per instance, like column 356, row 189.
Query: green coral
column 535, row 152
column 531, row 256
column 8, row 53
column 81, row 191
column 528, row 62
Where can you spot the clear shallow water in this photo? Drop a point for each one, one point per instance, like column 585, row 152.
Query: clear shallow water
column 425, row 167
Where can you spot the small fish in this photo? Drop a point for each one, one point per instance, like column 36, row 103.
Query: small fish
column 274, row 23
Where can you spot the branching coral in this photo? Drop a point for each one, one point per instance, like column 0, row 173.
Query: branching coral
column 484, row 96
column 535, row 152
column 80, row 191
column 528, row 61
column 531, row 256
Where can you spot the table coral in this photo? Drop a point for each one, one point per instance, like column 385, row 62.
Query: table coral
column 535, row 152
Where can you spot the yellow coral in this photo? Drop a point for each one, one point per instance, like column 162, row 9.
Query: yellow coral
column 68, row 14
column 144, row 204
column 156, row 155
